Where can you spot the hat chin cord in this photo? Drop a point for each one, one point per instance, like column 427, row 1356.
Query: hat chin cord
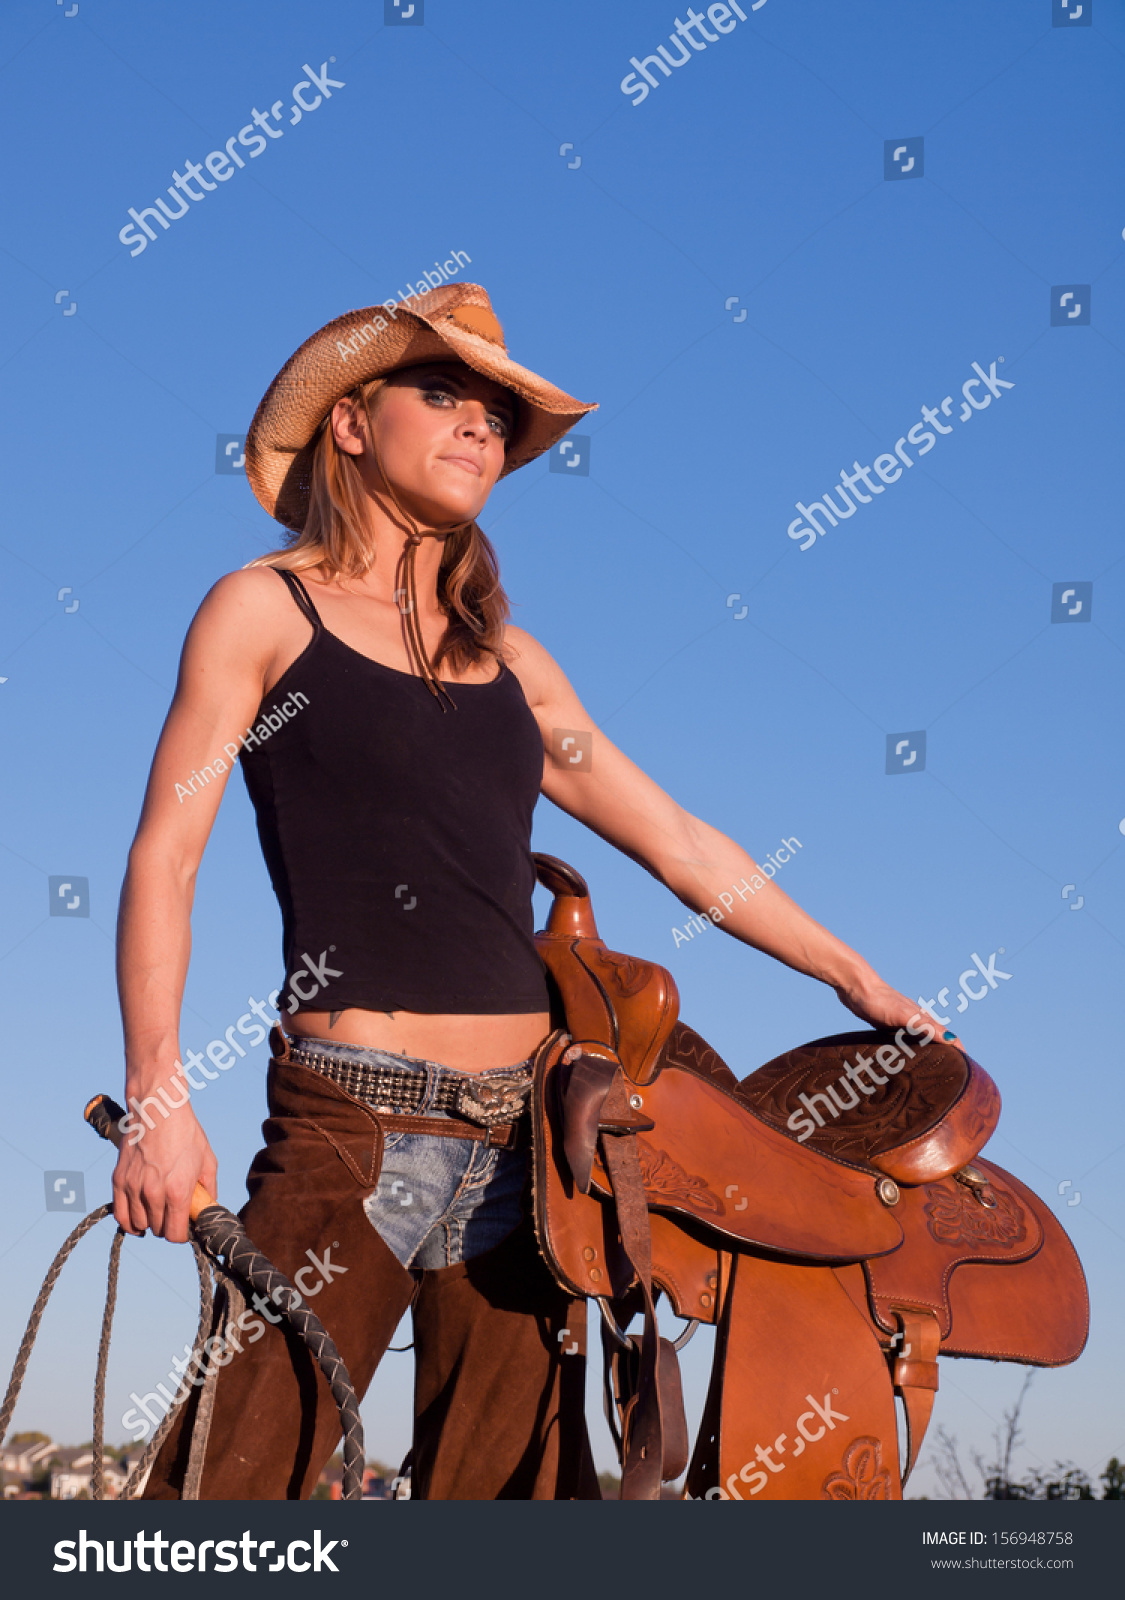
column 410, row 612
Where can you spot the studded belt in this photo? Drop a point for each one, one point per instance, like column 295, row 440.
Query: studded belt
column 490, row 1102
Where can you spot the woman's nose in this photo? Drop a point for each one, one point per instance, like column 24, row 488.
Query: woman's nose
column 474, row 419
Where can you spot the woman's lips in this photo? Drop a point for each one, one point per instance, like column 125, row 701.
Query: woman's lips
column 463, row 461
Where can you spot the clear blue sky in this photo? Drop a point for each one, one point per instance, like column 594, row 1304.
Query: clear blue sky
column 756, row 170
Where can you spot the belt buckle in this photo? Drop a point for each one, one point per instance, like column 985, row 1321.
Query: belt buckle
column 493, row 1100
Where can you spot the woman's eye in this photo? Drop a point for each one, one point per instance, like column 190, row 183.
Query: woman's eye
column 496, row 421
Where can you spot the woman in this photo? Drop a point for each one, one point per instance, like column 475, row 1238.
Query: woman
column 394, row 787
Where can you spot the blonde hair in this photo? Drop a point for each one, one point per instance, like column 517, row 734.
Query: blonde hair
column 333, row 541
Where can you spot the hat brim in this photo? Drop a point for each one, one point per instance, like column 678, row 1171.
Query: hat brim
column 367, row 344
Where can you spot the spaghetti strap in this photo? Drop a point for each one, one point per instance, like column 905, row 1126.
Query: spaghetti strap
column 301, row 596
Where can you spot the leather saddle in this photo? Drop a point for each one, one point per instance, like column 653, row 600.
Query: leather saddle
column 830, row 1214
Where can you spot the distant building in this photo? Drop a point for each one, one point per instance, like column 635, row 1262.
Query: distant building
column 70, row 1480
column 33, row 1467
column 25, row 1459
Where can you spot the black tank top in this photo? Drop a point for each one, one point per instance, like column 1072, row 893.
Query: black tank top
column 397, row 836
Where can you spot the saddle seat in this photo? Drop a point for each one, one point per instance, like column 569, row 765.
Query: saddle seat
column 844, row 1096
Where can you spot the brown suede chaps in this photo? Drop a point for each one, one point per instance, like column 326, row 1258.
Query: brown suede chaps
column 499, row 1396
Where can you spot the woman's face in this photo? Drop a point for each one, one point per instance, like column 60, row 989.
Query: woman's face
column 441, row 433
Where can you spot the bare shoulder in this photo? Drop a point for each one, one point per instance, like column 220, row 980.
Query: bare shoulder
column 243, row 617
column 537, row 670
column 241, row 595
column 251, row 601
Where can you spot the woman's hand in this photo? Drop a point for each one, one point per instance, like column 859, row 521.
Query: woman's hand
column 876, row 1003
column 155, row 1178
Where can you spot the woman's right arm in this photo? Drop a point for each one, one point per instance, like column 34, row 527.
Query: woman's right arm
column 227, row 659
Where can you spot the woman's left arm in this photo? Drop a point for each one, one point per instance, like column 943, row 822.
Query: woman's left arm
column 701, row 866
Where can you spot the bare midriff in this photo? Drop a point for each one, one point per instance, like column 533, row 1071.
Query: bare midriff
column 467, row 1043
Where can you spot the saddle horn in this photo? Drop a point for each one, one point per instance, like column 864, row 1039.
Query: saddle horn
column 571, row 915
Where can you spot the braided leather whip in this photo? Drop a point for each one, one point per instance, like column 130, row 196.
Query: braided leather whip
column 220, row 1234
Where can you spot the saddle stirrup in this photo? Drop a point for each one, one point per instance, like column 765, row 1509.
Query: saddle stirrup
column 626, row 1341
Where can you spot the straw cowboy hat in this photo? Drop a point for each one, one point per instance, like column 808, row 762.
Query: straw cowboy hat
column 455, row 321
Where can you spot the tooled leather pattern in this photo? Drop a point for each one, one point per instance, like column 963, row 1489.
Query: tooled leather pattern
column 955, row 1216
column 628, row 974
column 905, row 1108
column 862, row 1475
column 685, row 1048
column 667, row 1180
column 984, row 1113
column 919, row 1277
column 772, row 1098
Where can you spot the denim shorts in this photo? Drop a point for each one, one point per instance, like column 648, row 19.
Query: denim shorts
column 439, row 1201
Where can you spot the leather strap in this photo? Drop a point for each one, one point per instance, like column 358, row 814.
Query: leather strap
column 677, row 1442
column 504, row 1136
column 643, row 1444
column 915, row 1377
column 584, row 1088
column 643, row 1467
